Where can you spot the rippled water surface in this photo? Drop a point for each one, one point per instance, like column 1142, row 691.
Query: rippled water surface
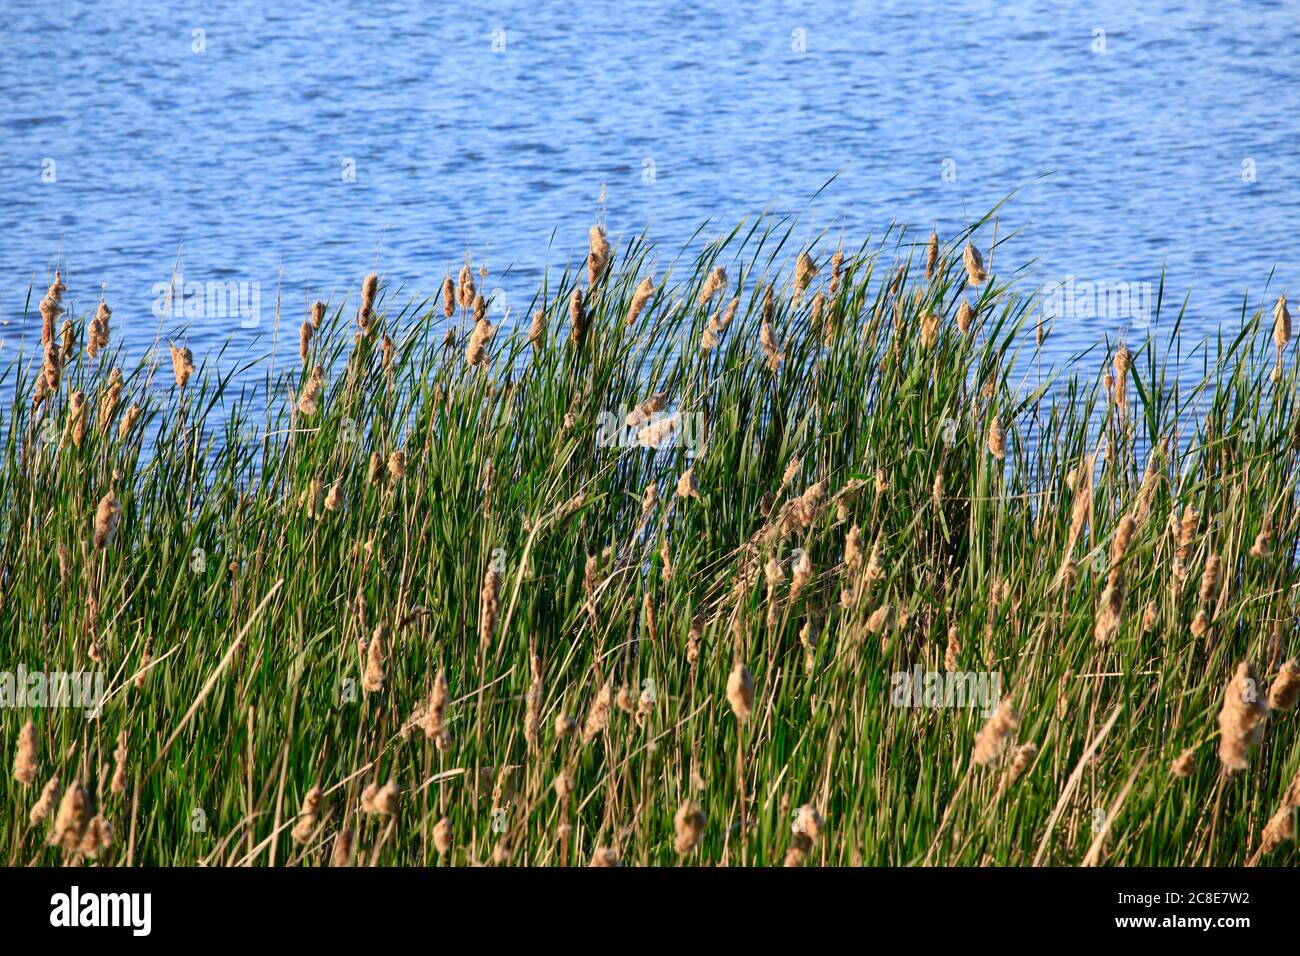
column 127, row 138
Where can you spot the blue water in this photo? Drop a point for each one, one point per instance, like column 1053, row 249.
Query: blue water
column 496, row 125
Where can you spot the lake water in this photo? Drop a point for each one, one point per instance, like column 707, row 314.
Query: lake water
column 299, row 149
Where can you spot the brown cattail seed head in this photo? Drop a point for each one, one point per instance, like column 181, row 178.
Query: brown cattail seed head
column 740, row 692
column 997, row 440
column 182, row 364
column 71, row 820
column 107, row 515
column 974, row 263
column 1241, row 721
column 1281, row 323
column 716, row 280
column 598, row 254
column 689, row 823
column 344, row 848
column 25, row 757
column 442, row 836
column 49, row 797
column 577, row 318
column 992, row 740
column 1286, row 687
column 644, row 290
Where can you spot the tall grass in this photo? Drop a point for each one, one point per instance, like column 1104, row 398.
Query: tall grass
column 400, row 604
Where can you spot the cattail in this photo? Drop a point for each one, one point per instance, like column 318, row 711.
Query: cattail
column 465, row 286
column 657, row 432
column 726, row 316
column 533, row 705
column 120, row 754
column 488, row 606
column 97, row 838
column 997, row 440
column 804, row 270
column 368, row 289
column 312, row 499
column 1284, row 692
column 1241, row 721
column 807, row 829
column 25, row 757
column 308, row 814
column 771, row 348
column 476, row 351
column 716, row 280
column 435, row 717
column 1210, row 579
column 334, row 500
column 837, row 265
column 537, row 330
column 689, row 823
column 317, row 314
column 304, row 341
column 109, row 399
column 479, row 308
column 1123, row 362
column 992, row 740
column 882, row 620
column 387, row 351
column 644, row 290
column 965, row 316
column 344, row 848
column 740, row 692
column 375, row 468
column 577, row 318
column 1186, row 536
column 397, row 465
column 1281, row 826
column 598, row 255
column 598, row 714
column 1024, row 756
column 952, row 653
column 107, row 514
column 381, row 800
column 97, row 332
column 605, row 857
column 1184, row 764
column 801, row 574
column 182, row 364
column 372, row 677
column 70, row 822
column 74, row 430
column 1262, row 546
column 931, row 255
column 442, row 836
column 1112, row 598
column 853, row 549
column 929, row 329
column 1281, row 324
column 49, row 797
column 974, row 263
column 687, row 486
column 51, row 309
column 647, row 409
column 128, row 422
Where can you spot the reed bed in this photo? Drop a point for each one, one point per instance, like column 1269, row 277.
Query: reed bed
column 404, row 602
